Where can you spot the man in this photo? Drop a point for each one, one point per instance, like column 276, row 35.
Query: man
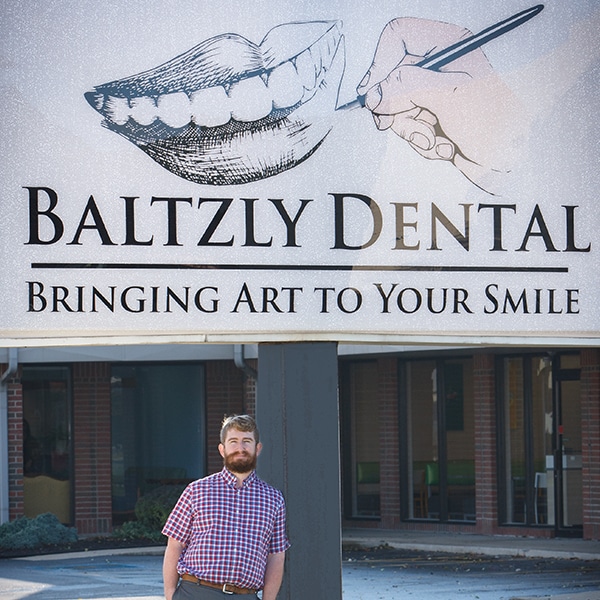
column 227, row 532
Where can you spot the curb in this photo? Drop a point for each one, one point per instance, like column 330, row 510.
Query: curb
column 591, row 595
column 475, row 549
column 143, row 551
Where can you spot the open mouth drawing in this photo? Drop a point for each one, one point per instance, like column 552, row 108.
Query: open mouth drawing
column 229, row 111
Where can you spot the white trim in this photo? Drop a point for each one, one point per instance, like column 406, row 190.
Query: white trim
column 524, row 339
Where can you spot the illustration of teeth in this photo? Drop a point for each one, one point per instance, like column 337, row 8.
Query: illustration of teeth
column 116, row 109
column 307, row 70
column 210, row 107
column 143, row 110
column 229, row 111
column 250, row 100
column 285, row 85
column 174, row 109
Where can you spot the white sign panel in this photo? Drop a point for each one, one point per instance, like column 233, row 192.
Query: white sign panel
column 247, row 171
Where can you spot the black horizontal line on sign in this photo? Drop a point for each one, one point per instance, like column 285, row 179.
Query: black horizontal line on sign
column 261, row 267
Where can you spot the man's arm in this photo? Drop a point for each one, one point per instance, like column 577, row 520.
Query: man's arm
column 273, row 575
column 170, row 574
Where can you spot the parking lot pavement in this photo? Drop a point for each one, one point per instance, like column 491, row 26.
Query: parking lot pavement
column 388, row 574
column 86, row 575
column 406, row 574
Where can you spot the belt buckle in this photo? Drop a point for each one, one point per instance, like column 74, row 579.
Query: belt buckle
column 225, row 591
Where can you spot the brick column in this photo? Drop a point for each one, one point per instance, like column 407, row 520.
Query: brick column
column 387, row 395
column 250, row 390
column 92, row 448
column 486, row 492
column 590, row 441
column 15, row 448
column 224, row 396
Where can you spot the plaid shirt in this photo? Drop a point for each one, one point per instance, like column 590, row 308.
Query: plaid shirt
column 228, row 532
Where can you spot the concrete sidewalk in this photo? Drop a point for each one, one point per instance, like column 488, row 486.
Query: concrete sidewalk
column 462, row 543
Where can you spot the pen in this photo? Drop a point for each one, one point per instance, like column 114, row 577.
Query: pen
column 436, row 61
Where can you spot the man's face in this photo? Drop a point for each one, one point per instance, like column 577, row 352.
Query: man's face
column 240, row 451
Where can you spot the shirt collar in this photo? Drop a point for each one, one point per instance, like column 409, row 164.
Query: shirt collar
column 231, row 479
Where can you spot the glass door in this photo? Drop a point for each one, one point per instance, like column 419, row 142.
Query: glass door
column 565, row 485
column 540, row 461
column 439, row 431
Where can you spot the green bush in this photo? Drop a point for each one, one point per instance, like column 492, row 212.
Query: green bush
column 153, row 509
column 43, row 530
column 134, row 530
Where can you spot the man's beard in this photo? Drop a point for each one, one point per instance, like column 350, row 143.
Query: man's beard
column 240, row 462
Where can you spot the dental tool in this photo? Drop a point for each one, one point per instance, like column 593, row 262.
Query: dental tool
column 438, row 60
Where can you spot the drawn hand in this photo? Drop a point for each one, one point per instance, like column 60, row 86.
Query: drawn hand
column 463, row 113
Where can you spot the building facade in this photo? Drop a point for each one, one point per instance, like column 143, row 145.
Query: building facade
column 491, row 441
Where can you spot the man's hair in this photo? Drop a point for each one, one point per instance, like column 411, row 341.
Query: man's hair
column 240, row 422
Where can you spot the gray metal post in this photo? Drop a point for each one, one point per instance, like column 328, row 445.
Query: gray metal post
column 297, row 413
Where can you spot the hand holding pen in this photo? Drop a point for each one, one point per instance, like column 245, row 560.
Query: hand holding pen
column 432, row 85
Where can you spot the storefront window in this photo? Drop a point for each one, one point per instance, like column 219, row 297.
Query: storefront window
column 541, row 439
column 363, row 489
column 158, row 430
column 47, row 441
column 540, row 464
column 440, row 440
column 528, row 426
column 515, row 481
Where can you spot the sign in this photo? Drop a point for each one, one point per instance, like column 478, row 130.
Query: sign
column 297, row 171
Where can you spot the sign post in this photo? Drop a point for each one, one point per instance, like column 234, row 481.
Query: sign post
column 297, row 410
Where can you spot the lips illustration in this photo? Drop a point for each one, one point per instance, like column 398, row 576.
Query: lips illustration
column 229, row 111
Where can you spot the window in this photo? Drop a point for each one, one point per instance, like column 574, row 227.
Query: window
column 439, row 430
column 158, row 430
column 47, row 441
column 540, row 441
column 361, row 412
column 527, row 421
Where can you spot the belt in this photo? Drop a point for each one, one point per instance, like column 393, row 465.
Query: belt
column 226, row 588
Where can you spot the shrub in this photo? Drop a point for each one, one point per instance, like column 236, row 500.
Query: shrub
column 153, row 509
column 43, row 530
column 134, row 530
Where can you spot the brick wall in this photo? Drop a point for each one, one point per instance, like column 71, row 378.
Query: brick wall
column 230, row 391
column 15, row 448
column 224, row 396
column 590, row 438
column 486, row 492
column 387, row 395
column 250, row 389
column 92, row 448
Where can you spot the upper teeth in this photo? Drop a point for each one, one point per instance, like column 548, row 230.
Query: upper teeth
column 247, row 99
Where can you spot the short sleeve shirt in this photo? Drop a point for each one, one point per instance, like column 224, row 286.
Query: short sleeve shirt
column 228, row 532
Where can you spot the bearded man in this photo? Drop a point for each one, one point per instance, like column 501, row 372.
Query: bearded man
column 227, row 532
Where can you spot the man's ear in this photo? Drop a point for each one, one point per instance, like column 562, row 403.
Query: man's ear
column 258, row 448
column 222, row 450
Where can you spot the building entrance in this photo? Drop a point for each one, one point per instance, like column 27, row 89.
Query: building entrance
column 438, row 410
column 540, row 458
column 565, row 467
